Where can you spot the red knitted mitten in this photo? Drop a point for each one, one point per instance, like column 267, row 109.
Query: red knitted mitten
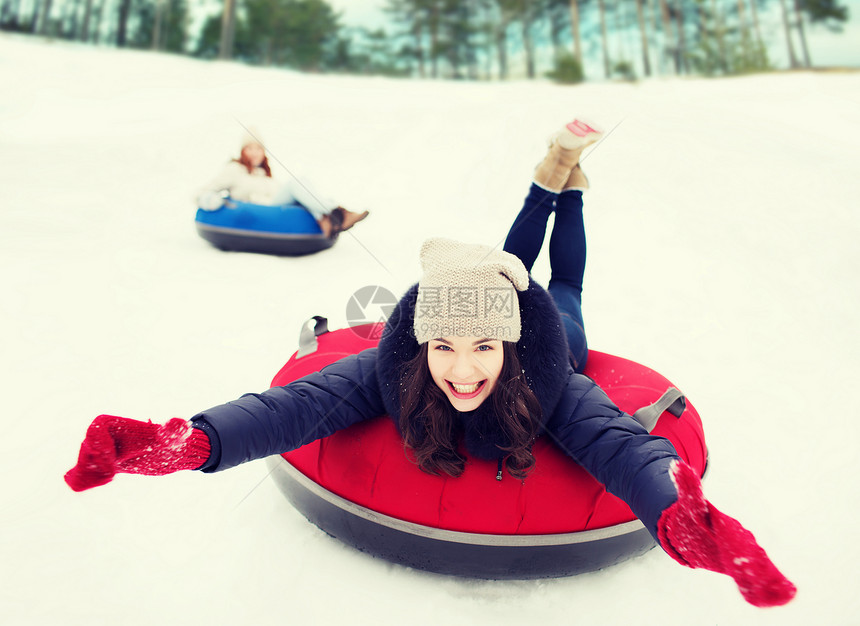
column 118, row 445
column 696, row 534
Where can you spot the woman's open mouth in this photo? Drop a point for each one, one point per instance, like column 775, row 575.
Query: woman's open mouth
column 465, row 391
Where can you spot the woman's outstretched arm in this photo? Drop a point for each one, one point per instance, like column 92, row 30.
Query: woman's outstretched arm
column 663, row 492
column 254, row 426
column 284, row 418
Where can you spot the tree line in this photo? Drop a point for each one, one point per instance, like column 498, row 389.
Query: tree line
column 465, row 39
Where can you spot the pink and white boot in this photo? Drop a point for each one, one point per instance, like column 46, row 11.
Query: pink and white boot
column 561, row 162
column 577, row 135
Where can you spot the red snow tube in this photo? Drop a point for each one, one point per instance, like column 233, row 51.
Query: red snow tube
column 360, row 486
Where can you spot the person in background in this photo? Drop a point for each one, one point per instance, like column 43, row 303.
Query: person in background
column 249, row 179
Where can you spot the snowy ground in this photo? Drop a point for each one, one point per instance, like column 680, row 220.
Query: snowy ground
column 723, row 232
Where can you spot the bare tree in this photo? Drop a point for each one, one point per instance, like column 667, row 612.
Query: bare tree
column 643, row 33
column 507, row 14
column 85, row 26
column 607, row 70
column 792, row 56
column 759, row 42
column 720, row 35
column 801, row 31
column 575, row 30
column 156, row 24
column 669, row 45
column 44, row 17
column 228, row 30
column 527, row 18
column 96, row 28
column 681, row 49
column 743, row 28
column 122, row 23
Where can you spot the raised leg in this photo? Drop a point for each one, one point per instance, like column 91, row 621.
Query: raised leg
column 567, row 245
column 525, row 238
column 558, row 181
column 567, row 252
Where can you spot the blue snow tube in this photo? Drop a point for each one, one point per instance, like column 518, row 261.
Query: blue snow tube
column 287, row 230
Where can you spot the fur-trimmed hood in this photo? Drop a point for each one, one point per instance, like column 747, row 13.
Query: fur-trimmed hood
column 542, row 351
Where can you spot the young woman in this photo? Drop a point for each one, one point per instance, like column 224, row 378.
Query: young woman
column 249, row 179
column 476, row 358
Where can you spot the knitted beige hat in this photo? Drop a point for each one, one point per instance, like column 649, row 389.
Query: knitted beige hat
column 468, row 290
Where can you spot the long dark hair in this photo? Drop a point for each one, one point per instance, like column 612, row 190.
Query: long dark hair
column 432, row 431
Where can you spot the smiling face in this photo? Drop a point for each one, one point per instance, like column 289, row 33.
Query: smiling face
column 465, row 368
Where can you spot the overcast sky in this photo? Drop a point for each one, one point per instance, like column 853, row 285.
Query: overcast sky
column 359, row 12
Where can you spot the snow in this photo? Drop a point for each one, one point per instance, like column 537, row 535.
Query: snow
column 722, row 252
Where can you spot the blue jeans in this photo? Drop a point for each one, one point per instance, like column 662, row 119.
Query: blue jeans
column 566, row 256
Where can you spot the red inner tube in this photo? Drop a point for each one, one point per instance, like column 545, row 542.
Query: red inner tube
column 368, row 464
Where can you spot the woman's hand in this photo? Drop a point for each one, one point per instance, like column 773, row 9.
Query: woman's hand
column 212, row 200
column 696, row 534
column 118, row 445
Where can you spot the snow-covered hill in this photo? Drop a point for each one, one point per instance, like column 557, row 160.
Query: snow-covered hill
column 723, row 231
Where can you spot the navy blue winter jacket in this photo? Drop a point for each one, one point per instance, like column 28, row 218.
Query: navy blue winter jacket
column 577, row 414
